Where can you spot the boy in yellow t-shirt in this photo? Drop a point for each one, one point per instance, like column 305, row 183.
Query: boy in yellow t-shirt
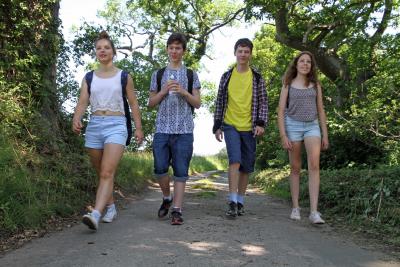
column 241, row 115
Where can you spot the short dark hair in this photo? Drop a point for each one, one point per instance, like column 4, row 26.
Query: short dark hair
column 244, row 42
column 177, row 37
column 103, row 35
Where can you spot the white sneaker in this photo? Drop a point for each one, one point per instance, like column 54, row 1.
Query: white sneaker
column 90, row 221
column 110, row 215
column 315, row 218
column 295, row 215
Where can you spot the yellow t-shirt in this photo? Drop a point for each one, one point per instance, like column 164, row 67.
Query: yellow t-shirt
column 240, row 93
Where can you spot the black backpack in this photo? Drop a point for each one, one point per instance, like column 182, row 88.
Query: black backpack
column 124, row 82
column 189, row 74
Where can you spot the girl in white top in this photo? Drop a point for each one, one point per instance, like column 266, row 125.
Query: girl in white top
column 300, row 106
column 106, row 132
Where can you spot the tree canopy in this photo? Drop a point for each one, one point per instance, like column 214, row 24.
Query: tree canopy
column 347, row 37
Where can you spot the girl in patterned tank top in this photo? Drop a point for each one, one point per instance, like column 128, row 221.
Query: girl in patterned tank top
column 300, row 106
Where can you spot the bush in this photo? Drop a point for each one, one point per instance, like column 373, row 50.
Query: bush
column 365, row 199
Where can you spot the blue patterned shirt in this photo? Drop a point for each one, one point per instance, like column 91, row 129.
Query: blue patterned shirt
column 174, row 114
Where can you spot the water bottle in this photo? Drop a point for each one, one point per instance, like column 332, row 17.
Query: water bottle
column 173, row 76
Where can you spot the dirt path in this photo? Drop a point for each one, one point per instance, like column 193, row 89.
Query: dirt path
column 263, row 237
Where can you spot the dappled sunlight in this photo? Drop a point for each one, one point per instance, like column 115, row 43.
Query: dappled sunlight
column 152, row 199
column 379, row 264
column 202, row 246
column 253, row 250
column 143, row 247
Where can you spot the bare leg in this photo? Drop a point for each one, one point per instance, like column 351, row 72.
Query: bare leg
column 112, row 154
column 295, row 167
column 243, row 181
column 164, row 185
column 95, row 158
column 233, row 177
column 313, row 148
column 179, row 191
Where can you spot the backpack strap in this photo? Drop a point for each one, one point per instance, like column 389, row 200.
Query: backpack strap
column 189, row 74
column 88, row 79
column 160, row 73
column 124, row 82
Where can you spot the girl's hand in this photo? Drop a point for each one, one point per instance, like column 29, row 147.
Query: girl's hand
column 325, row 143
column 77, row 126
column 286, row 144
column 139, row 136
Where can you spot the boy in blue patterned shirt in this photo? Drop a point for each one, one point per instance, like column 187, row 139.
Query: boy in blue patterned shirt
column 173, row 139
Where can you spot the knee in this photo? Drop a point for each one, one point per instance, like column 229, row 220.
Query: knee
column 295, row 172
column 234, row 166
column 295, row 169
column 106, row 174
column 313, row 167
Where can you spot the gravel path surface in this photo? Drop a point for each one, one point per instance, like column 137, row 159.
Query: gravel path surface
column 263, row 237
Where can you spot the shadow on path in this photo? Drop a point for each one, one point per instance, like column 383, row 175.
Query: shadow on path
column 263, row 237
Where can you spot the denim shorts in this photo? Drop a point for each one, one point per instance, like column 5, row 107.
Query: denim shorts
column 105, row 130
column 175, row 150
column 298, row 130
column 241, row 147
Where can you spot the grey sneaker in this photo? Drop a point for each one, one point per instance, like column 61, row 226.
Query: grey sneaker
column 295, row 215
column 315, row 218
column 231, row 212
column 240, row 209
column 90, row 221
column 110, row 215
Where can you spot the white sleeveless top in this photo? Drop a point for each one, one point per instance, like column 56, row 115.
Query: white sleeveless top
column 106, row 93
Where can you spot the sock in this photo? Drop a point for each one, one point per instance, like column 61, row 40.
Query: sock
column 168, row 197
column 96, row 215
column 240, row 199
column 178, row 209
column 111, row 207
column 233, row 197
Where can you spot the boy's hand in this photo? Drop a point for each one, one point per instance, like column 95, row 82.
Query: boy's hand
column 258, row 131
column 219, row 135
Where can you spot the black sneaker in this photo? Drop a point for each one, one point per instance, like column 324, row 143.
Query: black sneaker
column 165, row 205
column 240, row 209
column 231, row 212
column 176, row 218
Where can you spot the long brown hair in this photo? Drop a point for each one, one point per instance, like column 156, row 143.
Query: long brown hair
column 104, row 35
column 291, row 71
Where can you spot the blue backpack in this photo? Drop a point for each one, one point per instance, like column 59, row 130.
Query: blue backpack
column 124, row 81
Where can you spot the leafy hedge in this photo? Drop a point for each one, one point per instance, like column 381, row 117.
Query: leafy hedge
column 366, row 199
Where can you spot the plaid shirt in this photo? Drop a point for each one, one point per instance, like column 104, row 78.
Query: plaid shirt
column 259, row 106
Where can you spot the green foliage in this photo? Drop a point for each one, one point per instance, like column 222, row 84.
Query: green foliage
column 271, row 58
column 28, row 47
column 33, row 188
column 134, row 170
column 208, row 163
column 364, row 133
column 41, row 162
column 140, row 29
column 365, row 199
